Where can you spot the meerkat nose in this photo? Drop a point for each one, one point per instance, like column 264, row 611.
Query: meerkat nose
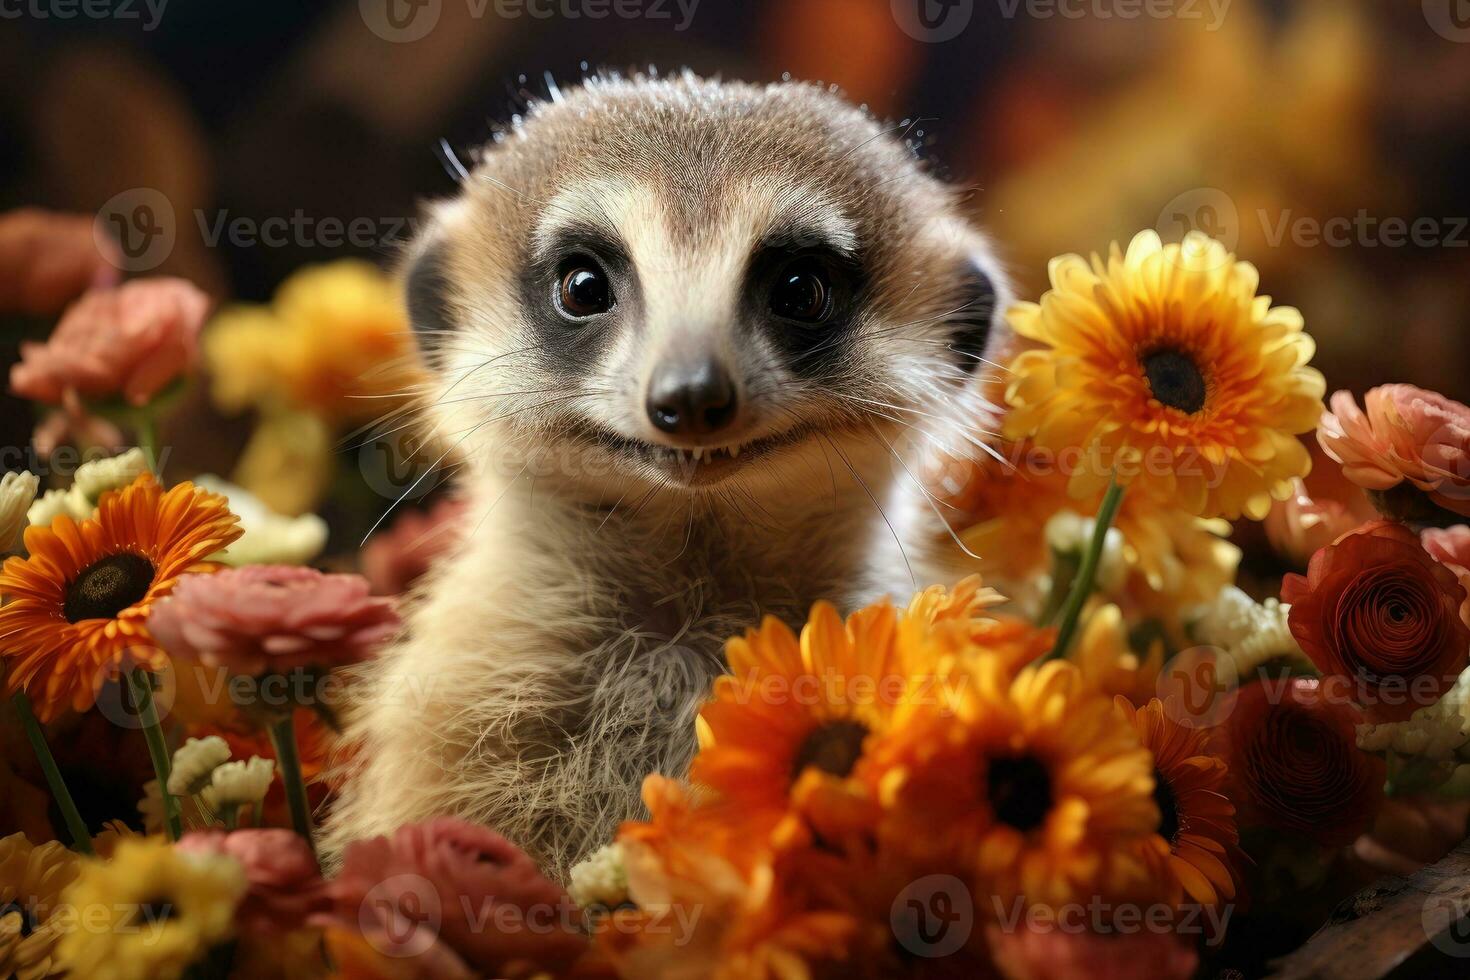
column 691, row 397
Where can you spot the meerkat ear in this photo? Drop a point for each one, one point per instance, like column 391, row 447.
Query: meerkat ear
column 982, row 293
column 426, row 292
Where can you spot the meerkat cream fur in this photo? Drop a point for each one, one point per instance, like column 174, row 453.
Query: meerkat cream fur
column 688, row 337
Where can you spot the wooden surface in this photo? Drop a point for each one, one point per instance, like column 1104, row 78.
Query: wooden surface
column 1399, row 927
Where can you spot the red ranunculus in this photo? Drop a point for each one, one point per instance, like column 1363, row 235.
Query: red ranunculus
column 1296, row 765
column 1380, row 617
column 458, row 899
column 286, row 889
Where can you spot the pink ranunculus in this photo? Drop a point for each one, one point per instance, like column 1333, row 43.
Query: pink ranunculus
column 395, row 558
column 272, row 619
column 449, row 891
column 1403, row 433
column 129, row 341
column 286, row 890
column 1450, row 547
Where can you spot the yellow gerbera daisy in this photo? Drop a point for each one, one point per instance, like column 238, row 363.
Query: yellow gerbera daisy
column 150, row 912
column 1195, row 846
column 32, row 878
column 1163, row 367
column 79, row 604
column 1000, row 510
column 1029, row 782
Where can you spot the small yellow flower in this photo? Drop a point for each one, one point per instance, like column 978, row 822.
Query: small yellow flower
column 1162, row 367
column 32, row 878
column 333, row 334
column 17, row 491
column 149, row 913
column 195, row 762
column 239, row 784
column 1107, row 661
column 96, row 477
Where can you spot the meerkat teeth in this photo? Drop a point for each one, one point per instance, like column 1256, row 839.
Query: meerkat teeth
column 698, row 455
column 734, row 450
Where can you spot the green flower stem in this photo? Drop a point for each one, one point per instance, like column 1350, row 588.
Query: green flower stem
column 142, row 688
column 147, row 429
column 1086, row 579
column 80, row 839
column 1064, row 568
column 283, row 739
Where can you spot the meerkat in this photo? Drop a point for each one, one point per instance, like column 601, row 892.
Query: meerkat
column 685, row 335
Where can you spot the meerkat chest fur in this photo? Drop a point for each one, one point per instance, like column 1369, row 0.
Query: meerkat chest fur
column 688, row 341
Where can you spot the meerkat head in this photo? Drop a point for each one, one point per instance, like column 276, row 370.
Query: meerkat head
column 694, row 285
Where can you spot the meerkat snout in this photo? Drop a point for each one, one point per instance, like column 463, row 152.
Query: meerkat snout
column 691, row 395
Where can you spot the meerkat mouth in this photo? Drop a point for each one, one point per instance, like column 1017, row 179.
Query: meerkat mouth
column 698, row 466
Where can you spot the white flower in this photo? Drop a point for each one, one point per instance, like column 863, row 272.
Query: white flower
column 1070, row 533
column 1250, row 633
column 194, row 762
column 269, row 538
column 53, row 503
column 239, row 784
column 96, row 477
column 601, row 879
column 17, row 493
column 1440, row 731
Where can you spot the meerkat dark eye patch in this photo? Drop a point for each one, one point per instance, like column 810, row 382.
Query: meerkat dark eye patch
column 804, row 297
column 973, row 312
column 427, row 296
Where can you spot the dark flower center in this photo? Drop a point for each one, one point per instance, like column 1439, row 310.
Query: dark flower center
column 28, row 921
column 833, row 748
column 1168, row 806
column 1175, row 379
column 153, row 912
column 107, row 587
column 1020, row 791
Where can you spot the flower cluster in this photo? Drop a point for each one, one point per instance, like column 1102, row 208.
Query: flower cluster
column 1087, row 763
column 933, row 747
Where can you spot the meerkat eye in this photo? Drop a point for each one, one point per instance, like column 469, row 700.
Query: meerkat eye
column 583, row 289
column 802, row 292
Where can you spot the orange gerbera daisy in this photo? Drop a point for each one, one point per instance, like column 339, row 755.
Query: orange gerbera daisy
column 798, row 712
column 1161, row 367
column 789, row 723
column 1195, row 846
column 79, row 604
column 1031, row 782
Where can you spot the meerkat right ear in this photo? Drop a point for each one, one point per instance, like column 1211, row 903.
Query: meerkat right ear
column 426, row 292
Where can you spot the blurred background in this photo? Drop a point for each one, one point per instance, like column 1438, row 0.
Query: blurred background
column 236, row 144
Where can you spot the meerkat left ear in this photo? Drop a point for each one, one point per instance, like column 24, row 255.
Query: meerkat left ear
column 981, row 294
